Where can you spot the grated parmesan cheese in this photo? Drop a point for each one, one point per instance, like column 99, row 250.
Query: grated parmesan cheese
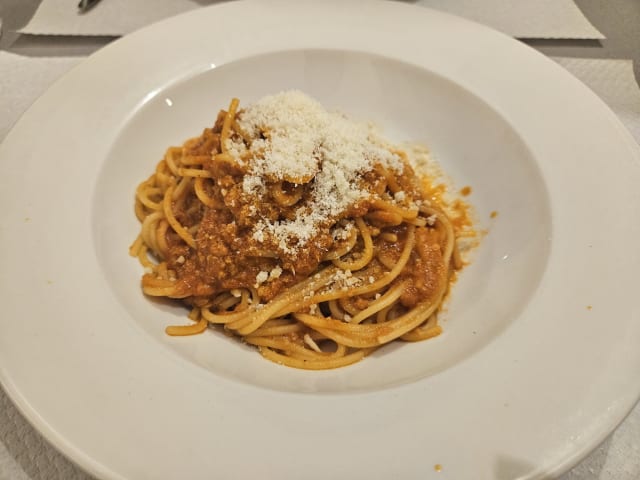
column 253, row 184
column 258, row 236
column 275, row 273
column 342, row 232
column 292, row 137
column 344, row 279
column 400, row 196
column 261, row 278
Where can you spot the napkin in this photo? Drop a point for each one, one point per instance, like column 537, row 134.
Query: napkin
column 618, row 458
column 108, row 17
column 24, row 78
column 520, row 18
column 614, row 82
column 25, row 455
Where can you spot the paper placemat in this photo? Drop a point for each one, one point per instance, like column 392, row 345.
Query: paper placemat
column 523, row 18
column 25, row 78
column 25, row 455
column 519, row 18
column 618, row 458
column 614, row 82
column 108, row 17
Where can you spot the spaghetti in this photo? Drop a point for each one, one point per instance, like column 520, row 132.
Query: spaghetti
column 298, row 230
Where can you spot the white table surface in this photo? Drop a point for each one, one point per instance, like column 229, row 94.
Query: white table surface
column 25, row 455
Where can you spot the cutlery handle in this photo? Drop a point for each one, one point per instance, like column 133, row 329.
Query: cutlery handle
column 86, row 5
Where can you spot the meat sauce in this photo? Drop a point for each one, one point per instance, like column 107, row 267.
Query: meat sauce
column 227, row 256
column 425, row 267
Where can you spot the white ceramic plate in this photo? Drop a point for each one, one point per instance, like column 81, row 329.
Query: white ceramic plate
column 539, row 358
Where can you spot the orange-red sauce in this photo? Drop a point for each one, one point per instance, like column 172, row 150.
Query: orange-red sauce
column 425, row 266
column 229, row 257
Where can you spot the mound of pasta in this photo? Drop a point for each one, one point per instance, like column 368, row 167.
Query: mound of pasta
column 298, row 230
